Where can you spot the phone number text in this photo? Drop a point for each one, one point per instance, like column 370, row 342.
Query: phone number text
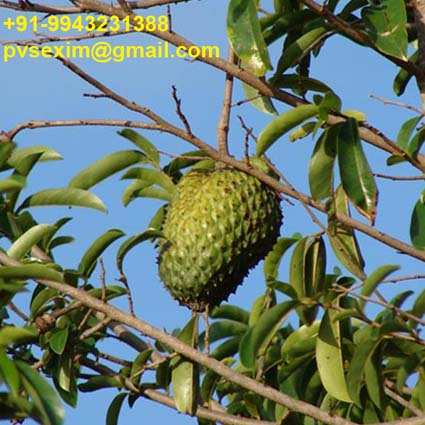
column 87, row 23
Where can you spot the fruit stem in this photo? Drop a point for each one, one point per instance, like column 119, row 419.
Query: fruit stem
column 223, row 123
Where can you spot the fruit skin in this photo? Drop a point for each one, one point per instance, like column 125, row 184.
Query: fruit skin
column 220, row 224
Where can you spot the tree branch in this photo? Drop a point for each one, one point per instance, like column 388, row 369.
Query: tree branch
column 187, row 351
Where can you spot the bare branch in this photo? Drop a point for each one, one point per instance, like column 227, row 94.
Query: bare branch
column 399, row 178
column 187, row 351
column 223, row 124
column 179, row 111
column 395, row 103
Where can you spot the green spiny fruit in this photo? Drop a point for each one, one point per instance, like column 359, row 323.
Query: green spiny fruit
column 219, row 225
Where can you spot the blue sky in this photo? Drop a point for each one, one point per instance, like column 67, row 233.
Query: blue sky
column 43, row 89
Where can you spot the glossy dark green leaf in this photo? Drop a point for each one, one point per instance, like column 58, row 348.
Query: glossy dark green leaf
column 133, row 241
column 375, row 380
column 45, row 399
column 343, row 240
column 362, row 354
column 262, row 103
column 374, row 279
column 315, row 265
column 185, row 373
column 143, row 144
column 300, row 342
column 9, row 373
column 230, row 312
column 25, row 242
column 47, row 154
column 256, row 340
column 386, row 25
column 321, row 168
column 406, row 131
column 330, row 362
column 106, row 167
column 131, row 192
column 30, row 271
column 292, row 55
column 228, row 348
column 245, row 36
column 403, row 77
column 114, row 409
column 418, row 308
column 416, row 143
column 274, row 257
column 210, row 381
column 90, row 257
column 225, row 329
column 417, row 224
column 297, row 268
column 153, row 177
column 40, row 299
column 282, row 124
column 299, row 82
column 138, row 365
column 356, row 176
column 96, row 383
column 64, row 196
column 58, row 340
column 283, row 287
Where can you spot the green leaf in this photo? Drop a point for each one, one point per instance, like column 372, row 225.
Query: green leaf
column 9, row 373
column 58, row 340
column 6, row 150
column 321, row 168
column 30, row 271
column 17, row 335
column 138, row 365
column 417, row 224
column 297, row 268
column 131, row 192
column 356, row 176
column 255, row 342
column 302, row 131
column 45, row 399
column 90, row 257
column 315, row 265
column 245, row 36
column 343, row 240
column 230, row 312
column 12, row 184
column 282, row 124
column 403, row 77
column 375, row 380
column 185, row 373
column 31, row 237
column 114, row 409
column 274, row 257
column 106, row 167
column 299, row 82
column 41, row 299
column 133, row 241
column 374, row 279
column 262, row 103
column 300, row 342
column 152, row 177
column 329, row 358
column 364, row 350
column 225, row 329
column 177, row 164
column 143, row 144
column 353, row 113
column 99, row 382
column 293, row 54
column 64, row 196
column 416, row 143
column 386, row 24
column 406, row 131
column 150, row 192
column 47, row 154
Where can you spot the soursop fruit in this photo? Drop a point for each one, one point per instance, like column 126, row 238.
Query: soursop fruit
column 219, row 225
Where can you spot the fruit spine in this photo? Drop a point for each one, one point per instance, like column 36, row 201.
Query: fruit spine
column 220, row 224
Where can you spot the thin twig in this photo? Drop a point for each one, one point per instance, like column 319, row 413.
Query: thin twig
column 403, row 278
column 399, row 178
column 18, row 312
column 102, row 279
column 395, row 103
column 96, row 328
column 403, row 402
column 179, row 111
